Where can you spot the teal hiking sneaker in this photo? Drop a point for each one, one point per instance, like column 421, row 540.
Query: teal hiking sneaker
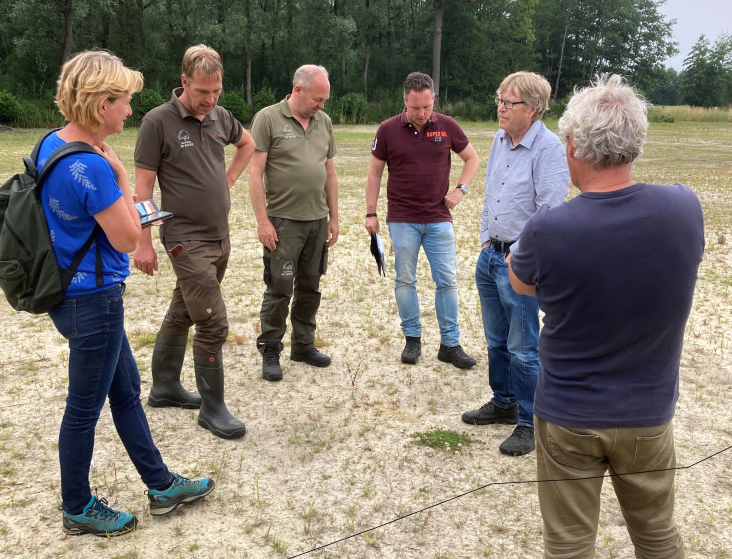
column 182, row 490
column 99, row 519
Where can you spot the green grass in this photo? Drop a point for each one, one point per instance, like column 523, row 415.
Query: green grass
column 447, row 441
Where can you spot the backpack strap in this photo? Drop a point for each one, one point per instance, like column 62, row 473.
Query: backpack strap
column 58, row 154
column 31, row 162
column 76, row 262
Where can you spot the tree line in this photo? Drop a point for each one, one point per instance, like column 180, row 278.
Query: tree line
column 704, row 81
column 368, row 46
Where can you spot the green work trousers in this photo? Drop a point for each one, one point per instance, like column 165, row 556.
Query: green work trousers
column 199, row 267
column 292, row 272
column 571, row 509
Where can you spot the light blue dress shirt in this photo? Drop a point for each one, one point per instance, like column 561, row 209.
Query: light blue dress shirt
column 520, row 179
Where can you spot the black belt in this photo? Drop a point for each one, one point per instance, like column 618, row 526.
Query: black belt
column 503, row 246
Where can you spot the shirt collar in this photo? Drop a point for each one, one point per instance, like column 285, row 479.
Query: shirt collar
column 285, row 108
column 183, row 111
column 528, row 140
column 403, row 120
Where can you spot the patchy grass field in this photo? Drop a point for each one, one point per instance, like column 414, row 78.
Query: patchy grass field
column 332, row 452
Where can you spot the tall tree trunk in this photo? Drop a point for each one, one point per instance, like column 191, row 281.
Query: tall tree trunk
column 68, row 30
column 440, row 6
column 248, row 15
column 249, row 77
column 171, row 31
column 366, row 69
column 561, row 59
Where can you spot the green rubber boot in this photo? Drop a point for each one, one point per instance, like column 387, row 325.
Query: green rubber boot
column 167, row 362
column 214, row 415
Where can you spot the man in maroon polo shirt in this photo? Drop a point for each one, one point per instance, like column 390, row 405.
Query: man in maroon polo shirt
column 416, row 145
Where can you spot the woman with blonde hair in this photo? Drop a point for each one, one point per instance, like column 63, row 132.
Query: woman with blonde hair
column 86, row 194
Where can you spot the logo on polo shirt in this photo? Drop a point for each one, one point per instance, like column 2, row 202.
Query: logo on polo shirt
column 185, row 139
column 373, row 146
column 289, row 132
column 437, row 135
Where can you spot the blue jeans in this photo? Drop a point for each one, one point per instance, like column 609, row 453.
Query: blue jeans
column 438, row 241
column 101, row 365
column 511, row 327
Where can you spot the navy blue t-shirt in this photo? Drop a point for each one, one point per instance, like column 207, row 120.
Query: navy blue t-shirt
column 615, row 275
column 79, row 187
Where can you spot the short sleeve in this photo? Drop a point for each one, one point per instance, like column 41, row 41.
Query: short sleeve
column 378, row 148
column 235, row 130
column 149, row 145
column 261, row 132
column 93, row 180
column 525, row 257
column 332, row 145
column 459, row 141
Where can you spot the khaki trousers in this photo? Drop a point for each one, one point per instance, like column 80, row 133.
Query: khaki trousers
column 571, row 509
column 199, row 267
column 292, row 272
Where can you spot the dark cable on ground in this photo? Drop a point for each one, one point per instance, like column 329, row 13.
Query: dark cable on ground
column 504, row 483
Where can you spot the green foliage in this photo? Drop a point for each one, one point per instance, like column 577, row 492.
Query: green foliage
column 347, row 109
column 368, row 47
column 660, row 117
column 232, row 101
column 146, row 101
column 469, row 110
column 30, row 115
column 706, row 80
column 10, row 108
column 556, row 108
column 263, row 98
column 448, row 441
column 666, row 89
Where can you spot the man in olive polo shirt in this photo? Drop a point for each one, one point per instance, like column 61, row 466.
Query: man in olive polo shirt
column 181, row 143
column 294, row 192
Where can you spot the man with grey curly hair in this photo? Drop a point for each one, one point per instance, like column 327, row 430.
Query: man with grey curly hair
column 614, row 271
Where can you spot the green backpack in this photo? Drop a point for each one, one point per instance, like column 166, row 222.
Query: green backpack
column 29, row 274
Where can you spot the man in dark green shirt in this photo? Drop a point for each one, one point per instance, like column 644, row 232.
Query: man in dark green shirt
column 294, row 192
column 181, row 143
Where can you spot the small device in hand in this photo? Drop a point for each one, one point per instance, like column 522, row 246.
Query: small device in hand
column 150, row 214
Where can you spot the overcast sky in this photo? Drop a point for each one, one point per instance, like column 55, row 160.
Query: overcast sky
column 695, row 17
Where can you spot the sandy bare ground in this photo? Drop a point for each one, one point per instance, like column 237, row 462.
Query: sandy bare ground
column 329, row 452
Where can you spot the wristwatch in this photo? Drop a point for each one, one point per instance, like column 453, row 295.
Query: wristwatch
column 463, row 187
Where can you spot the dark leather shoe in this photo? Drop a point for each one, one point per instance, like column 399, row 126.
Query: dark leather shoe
column 520, row 442
column 456, row 356
column 412, row 350
column 312, row 357
column 490, row 413
column 271, row 369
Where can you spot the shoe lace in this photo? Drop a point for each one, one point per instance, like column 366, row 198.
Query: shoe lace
column 271, row 357
column 522, row 430
column 412, row 345
column 101, row 511
column 181, row 481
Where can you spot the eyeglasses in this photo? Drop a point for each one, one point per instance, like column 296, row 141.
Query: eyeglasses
column 508, row 104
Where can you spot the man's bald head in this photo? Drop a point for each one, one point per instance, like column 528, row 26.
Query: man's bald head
column 306, row 74
column 310, row 91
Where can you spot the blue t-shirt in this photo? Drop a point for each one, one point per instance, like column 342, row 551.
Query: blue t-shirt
column 79, row 187
column 615, row 275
